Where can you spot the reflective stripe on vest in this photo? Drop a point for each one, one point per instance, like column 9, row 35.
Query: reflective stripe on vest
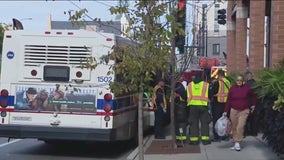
column 198, row 97
column 223, row 90
column 214, row 74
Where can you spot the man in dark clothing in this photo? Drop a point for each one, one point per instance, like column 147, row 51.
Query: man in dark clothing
column 219, row 88
column 160, row 105
column 251, row 126
column 181, row 112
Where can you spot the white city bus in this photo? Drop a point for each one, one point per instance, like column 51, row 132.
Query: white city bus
column 46, row 94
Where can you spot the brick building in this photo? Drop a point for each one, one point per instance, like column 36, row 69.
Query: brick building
column 255, row 34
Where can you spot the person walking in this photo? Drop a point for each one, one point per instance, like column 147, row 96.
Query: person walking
column 160, row 109
column 241, row 101
column 251, row 127
column 180, row 111
column 219, row 89
column 197, row 100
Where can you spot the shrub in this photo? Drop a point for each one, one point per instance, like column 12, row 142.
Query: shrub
column 270, row 89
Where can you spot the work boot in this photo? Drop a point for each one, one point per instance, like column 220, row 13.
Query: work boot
column 193, row 142
column 206, row 142
column 179, row 144
column 216, row 139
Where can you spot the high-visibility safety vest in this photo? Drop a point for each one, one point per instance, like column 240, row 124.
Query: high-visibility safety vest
column 155, row 96
column 224, row 86
column 197, row 94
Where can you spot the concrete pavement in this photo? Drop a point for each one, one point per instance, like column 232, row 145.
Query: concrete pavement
column 253, row 148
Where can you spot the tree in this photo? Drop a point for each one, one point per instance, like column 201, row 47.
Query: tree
column 3, row 28
column 1, row 37
column 153, row 52
column 140, row 63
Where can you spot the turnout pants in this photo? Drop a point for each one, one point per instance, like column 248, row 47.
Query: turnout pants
column 199, row 114
column 181, row 120
column 159, row 123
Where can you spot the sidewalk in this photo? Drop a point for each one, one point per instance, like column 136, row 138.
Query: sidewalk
column 253, row 148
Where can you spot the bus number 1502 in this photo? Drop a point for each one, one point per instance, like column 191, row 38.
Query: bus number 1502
column 104, row 79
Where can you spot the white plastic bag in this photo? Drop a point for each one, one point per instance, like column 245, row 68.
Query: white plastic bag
column 223, row 126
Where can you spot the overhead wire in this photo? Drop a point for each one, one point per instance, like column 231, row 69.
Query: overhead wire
column 91, row 18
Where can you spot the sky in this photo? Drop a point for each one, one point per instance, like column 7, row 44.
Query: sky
column 34, row 14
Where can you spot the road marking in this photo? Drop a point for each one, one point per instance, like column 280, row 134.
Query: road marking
column 11, row 142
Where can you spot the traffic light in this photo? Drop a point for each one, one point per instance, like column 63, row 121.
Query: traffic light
column 222, row 16
column 181, row 18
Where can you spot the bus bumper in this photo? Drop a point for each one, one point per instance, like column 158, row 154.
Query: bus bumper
column 62, row 133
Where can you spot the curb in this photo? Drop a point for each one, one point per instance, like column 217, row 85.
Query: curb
column 134, row 153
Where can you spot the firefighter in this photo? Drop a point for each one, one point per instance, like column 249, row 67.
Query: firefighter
column 197, row 100
column 220, row 89
column 181, row 111
column 160, row 109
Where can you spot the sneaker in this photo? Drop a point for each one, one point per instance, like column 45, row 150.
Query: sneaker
column 237, row 146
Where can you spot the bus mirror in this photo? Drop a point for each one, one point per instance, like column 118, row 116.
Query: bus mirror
column 17, row 25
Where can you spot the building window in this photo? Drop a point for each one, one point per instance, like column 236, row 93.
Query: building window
column 216, row 49
column 216, row 28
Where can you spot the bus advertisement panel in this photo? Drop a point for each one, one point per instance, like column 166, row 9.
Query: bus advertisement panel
column 52, row 99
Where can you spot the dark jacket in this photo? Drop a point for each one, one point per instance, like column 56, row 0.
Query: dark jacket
column 180, row 90
column 159, row 98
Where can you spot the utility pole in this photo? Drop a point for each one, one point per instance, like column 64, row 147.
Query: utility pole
column 206, row 44
column 203, row 28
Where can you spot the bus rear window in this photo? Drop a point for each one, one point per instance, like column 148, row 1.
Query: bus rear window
column 56, row 73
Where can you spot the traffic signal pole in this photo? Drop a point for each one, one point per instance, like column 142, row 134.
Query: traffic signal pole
column 181, row 18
